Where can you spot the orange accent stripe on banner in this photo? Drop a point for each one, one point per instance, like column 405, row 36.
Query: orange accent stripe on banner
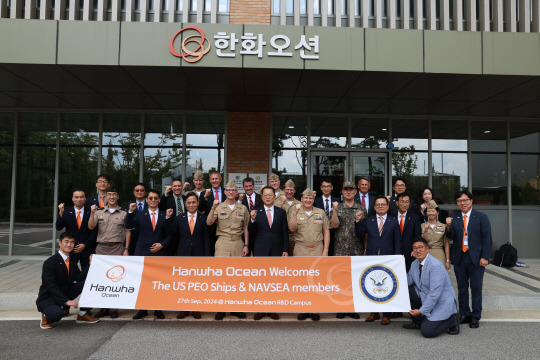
column 310, row 284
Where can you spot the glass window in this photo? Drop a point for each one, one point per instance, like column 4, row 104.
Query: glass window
column 413, row 167
column 369, row 133
column 7, row 122
column 205, row 142
column 525, row 137
column 410, row 134
column 488, row 136
column 292, row 164
column 525, row 140
column 36, row 158
column 329, row 132
column 449, row 175
column 449, row 135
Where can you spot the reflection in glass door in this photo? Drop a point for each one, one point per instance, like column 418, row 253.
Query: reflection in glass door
column 374, row 167
column 331, row 166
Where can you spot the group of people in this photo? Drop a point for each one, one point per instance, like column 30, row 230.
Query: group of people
column 220, row 221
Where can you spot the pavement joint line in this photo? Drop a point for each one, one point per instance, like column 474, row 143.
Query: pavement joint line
column 517, row 282
column 523, row 273
column 9, row 263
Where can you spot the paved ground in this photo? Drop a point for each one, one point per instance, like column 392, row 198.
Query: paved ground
column 268, row 340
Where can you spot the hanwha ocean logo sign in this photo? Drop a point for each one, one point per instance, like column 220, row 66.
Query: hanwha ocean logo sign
column 379, row 284
column 116, row 273
column 192, row 47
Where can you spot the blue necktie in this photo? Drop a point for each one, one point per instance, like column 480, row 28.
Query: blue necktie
column 140, row 206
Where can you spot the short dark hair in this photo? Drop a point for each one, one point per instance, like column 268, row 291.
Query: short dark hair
column 268, row 187
column 420, row 239
column 78, row 189
column 66, row 235
column 106, row 176
column 399, row 179
column 403, row 194
column 326, row 180
column 177, row 179
column 190, row 194
column 154, row 191
column 140, row 184
column 464, row 192
column 381, row 197
column 248, row 180
column 112, row 190
column 363, row 178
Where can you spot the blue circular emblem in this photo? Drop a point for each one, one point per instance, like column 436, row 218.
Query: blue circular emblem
column 379, row 284
column 390, row 146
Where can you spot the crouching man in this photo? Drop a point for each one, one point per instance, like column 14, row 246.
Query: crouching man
column 61, row 283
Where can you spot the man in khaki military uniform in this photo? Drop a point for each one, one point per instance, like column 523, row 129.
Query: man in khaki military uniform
column 288, row 202
column 273, row 181
column 232, row 224
column 311, row 230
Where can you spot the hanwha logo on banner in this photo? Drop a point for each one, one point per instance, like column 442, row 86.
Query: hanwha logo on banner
column 193, row 47
column 379, row 284
column 116, row 273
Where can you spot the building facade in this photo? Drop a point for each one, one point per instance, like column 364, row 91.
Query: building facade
column 444, row 93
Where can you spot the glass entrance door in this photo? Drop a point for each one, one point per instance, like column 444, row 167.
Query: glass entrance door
column 373, row 166
column 328, row 165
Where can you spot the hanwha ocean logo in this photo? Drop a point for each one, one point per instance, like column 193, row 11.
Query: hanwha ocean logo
column 379, row 284
column 192, row 47
column 116, row 273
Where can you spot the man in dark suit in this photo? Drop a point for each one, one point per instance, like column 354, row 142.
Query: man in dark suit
column 207, row 201
column 409, row 226
column 470, row 251
column 139, row 191
column 325, row 202
column 103, row 181
column 75, row 220
column 269, row 225
column 399, row 185
column 251, row 200
column 172, row 198
column 364, row 197
column 383, row 238
column 61, row 283
column 190, row 232
column 153, row 237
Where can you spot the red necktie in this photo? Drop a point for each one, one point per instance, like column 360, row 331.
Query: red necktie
column 380, row 225
column 269, row 216
column 364, row 200
column 250, row 204
column 216, row 197
column 401, row 224
column 191, row 224
column 79, row 219
column 464, row 247
column 153, row 221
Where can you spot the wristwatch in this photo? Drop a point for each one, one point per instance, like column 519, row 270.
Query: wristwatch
column 447, row 260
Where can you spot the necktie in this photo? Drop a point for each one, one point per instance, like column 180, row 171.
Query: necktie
column 401, row 224
column 269, row 216
column 464, row 247
column 140, row 206
column 178, row 206
column 216, row 197
column 364, row 201
column 102, row 201
column 153, row 221
column 420, row 271
column 380, row 225
column 250, row 204
column 327, row 209
column 191, row 224
column 79, row 219
column 67, row 264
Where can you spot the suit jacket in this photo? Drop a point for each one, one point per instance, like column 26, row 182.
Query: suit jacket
column 388, row 243
column 319, row 203
column 134, row 232
column 147, row 235
column 371, row 202
column 393, row 211
column 411, row 230
column 187, row 244
column 205, row 205
column 257, row 204
column 270, row 241
column 478, row 233
column 83, row 235
column 168, row 202
column 434, row 289
column 55, row 281
column 94, row 200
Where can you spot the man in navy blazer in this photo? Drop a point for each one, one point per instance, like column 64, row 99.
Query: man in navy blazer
column 364, row 197
column 409, row 226
column 324, row 202
column 433, row 300
column 103, row 181
column 271, row 233
column 139, row 191
column 75, row 220
column 469, row 254
column 251, row 200
column 207, row 201
column 383, row 238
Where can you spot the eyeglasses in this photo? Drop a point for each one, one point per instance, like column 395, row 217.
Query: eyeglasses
column 420, row 248
column 102, row 182
column 400, row 185
column 231, row 190
column 380, row 205
column 463, row 201
column 268, row 195
column 139, row 190
column 153, row 198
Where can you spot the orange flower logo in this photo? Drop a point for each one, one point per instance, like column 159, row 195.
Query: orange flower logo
column 116, row 273
column 200, row 41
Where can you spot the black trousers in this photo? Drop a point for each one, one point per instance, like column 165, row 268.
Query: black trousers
column 428, row 329
column 54, row 313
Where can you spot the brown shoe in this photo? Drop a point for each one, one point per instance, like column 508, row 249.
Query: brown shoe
column 114, row 314
column 197, row 314
column 101, row 313
column 182, row 314
column 258, row 316
column 372, row 317
column 385, row 320
column 44, row 324
column 86, row 319
column 274, row 316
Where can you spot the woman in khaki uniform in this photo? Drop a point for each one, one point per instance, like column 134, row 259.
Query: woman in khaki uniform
column 311, row 230
column 434, row 233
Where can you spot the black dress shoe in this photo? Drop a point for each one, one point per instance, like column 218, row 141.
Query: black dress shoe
column 197, row 314
column 182, row 314
column 159, row 314
column 239, row 315
column 475, row 323
column 354, row 315
column 258, row 316
column 273, row 316
column 303, row 316
column 66, row 311
column 101, row 313
column 219, row 316
column 140, row 314
column 464, row 319
column 454, row 330
column 410, row 326
column 340, row 315
column 315, row 317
